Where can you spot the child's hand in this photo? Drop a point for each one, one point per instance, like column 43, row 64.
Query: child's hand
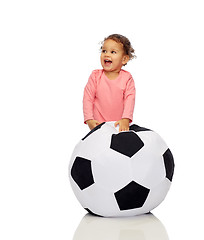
column 92, row 123
column 123, row 124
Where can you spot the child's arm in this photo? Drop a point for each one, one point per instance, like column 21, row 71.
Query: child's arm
column 129, row 101
column 88, row 98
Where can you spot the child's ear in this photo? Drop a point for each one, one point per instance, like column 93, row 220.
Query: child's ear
column 126, row 58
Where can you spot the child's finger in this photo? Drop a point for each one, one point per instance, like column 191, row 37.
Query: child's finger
column 98, row 123
column 116, row 123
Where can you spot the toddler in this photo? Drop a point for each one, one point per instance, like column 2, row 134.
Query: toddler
column 109, row 94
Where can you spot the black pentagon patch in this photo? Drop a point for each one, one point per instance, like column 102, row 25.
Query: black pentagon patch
column 81, row 172
column 93, row 130
column 169, row 164
column 127, row 143
column 131, row 196
column 137, row 128
column 94, row 214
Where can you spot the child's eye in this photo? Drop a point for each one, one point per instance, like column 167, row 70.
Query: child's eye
column 103, row 51
column 114, row 52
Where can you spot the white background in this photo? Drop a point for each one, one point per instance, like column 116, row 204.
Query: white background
column 47, row 51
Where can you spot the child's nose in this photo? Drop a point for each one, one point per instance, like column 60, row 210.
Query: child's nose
column 107, row 54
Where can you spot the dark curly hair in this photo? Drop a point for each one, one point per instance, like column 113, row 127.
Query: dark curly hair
column 127, row 47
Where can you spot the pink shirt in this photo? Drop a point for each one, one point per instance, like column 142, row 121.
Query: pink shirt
column 109, row 100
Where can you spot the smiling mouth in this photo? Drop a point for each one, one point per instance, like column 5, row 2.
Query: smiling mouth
column 108, row 62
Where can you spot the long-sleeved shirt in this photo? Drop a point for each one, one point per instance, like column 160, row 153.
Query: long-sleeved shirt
column 109, row 100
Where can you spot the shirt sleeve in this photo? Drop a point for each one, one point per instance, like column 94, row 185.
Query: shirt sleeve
column 88, row 98
column 129, row 99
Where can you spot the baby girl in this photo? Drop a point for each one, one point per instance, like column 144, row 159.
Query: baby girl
column 109, row 94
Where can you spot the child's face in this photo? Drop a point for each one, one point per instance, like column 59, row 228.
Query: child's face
column 113, row 56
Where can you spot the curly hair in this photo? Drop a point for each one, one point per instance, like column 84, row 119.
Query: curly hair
column 127, row 47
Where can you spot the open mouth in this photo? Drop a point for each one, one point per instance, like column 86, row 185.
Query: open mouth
column 107, row 62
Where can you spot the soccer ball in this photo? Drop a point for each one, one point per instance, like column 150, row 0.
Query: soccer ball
column 116, row 174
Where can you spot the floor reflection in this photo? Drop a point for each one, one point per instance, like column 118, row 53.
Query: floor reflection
column 144, row 227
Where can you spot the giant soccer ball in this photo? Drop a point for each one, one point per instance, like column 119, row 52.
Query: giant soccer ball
column 121, row 174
